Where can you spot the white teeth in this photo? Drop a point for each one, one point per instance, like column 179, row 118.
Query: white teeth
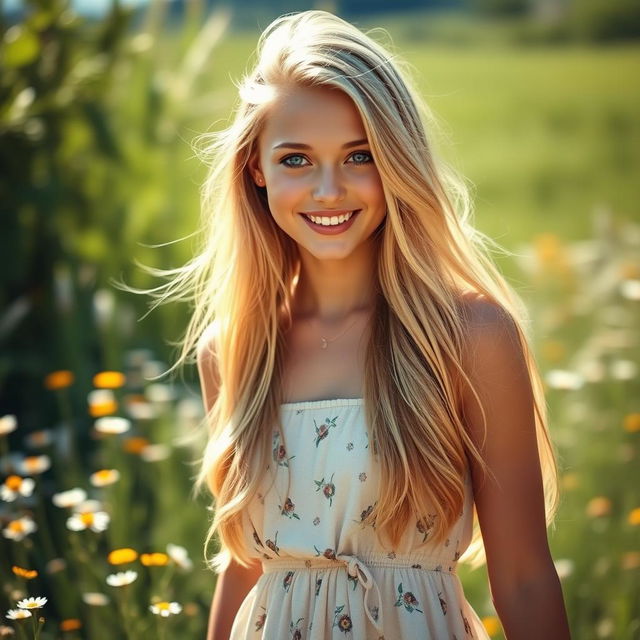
column 333, row 220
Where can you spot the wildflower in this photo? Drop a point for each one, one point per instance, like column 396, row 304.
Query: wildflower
column 88, row 506
column 180, row 556
column 31, row 603
column 104, row 477
column 102, row 402
column 155, row 452
column 70, row 498
column 15, row 486
column 95, row 599
column 122, row 556
column 8, row 424
column 561, row 379
column 135, row 444
column 491, row 625
column 154, row 559
column 158, row 393
column 20, row 528
column 112, row 425
column 630, row 289
column 165, row 609
column 634, row 516
column 109, row 380
column 623, row 369
column 17, row 614
column 33, row 465
column 59, row 380
column 632, row 422
column 39, row 439
column 598, row 507
column 122, row 578
column 96, row 521
column 29, row 574
column 70, row 624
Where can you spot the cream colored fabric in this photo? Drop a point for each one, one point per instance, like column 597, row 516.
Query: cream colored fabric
column 325, row 575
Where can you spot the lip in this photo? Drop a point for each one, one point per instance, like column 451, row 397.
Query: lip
column 333, row 229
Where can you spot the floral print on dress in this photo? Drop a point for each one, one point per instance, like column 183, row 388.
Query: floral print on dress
column 272, row 544
column 425, row 525
column 289, row 509
column 407, row 600
column 328, row 488
column 365, row 513
column 443, row 603
column 318, row 585
column 288, row 579
column 279, row 451
column 330, row 554
column 467, row 626
column 343, row 622
column 260, row 620
column 294, row 628
column 322, row 431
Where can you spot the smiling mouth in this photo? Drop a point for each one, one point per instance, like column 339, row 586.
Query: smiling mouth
column 331, row 220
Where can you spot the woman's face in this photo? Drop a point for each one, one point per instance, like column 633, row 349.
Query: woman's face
column 315, row 161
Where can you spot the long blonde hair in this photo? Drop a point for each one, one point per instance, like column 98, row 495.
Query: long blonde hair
column 241, row 283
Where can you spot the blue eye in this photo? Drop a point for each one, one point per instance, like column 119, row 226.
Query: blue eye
column 361, row 157
column 297, row 157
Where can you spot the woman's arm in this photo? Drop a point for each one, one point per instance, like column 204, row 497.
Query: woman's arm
column 525, row 588
column 235, row 582
column 231, row 589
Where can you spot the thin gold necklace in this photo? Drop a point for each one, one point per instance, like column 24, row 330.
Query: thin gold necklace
column 325, row 341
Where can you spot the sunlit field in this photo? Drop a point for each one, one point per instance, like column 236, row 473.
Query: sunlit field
column 101, row 536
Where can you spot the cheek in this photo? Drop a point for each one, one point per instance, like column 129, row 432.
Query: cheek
column 283, row 192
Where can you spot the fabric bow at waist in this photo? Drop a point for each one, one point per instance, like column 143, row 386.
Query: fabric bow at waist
column 356, row 568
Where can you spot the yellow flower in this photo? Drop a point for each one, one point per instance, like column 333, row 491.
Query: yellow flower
column 135, row 444
column 104, row 477
column 630, row 560
column 632, row 422
column 20, row 528
column 29, row 574
column 96, row 521
column 634, row 516
column 102, row 402
column 59, row 380
column 598, row 507
column 70, row 624
column 31, row 603
column 122, row 556
column 109, row 380
column 491, row 625
column 570, row 481
column 15, row 486
column 154, row 559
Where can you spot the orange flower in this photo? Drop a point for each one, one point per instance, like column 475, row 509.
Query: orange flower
column 122, row 556
column 154, row 559
column 29, row 574
column 632, row 422
column 109, row 380
column 59, row 380
column 491, row 625
column 135, row 444
column 630, row 560
column 102, row 402
column 70, row 624
column 598, row 507
column 634, row 516
column 104, row 477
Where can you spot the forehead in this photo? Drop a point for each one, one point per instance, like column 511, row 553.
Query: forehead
column 312, row 115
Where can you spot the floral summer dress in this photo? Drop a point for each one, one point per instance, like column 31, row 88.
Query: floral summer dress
column 325, row 575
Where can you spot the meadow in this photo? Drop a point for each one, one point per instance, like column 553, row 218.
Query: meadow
column 96, row 507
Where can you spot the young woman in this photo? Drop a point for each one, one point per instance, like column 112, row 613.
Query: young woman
column 375, row 414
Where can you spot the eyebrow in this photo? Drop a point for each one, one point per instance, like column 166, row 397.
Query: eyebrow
column 306, row 147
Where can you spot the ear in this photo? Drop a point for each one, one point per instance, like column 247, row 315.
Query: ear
column 255, row 169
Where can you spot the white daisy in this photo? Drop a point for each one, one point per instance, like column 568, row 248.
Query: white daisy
column 95, row 599
column 15, row 486
column 96, row 521
column 112, row 425
column 180, row 556
column 70, row 498
column 31, row 603
column 18, row 614
column 20, row 528
column 165, row 609
column 104, row 477
column 8, row 424
column 34, row 465
column 155, row 452
column 122, row 578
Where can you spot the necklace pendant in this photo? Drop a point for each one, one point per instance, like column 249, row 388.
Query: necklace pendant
column 324, row 343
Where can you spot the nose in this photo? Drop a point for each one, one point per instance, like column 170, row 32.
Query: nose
column 329, row 187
